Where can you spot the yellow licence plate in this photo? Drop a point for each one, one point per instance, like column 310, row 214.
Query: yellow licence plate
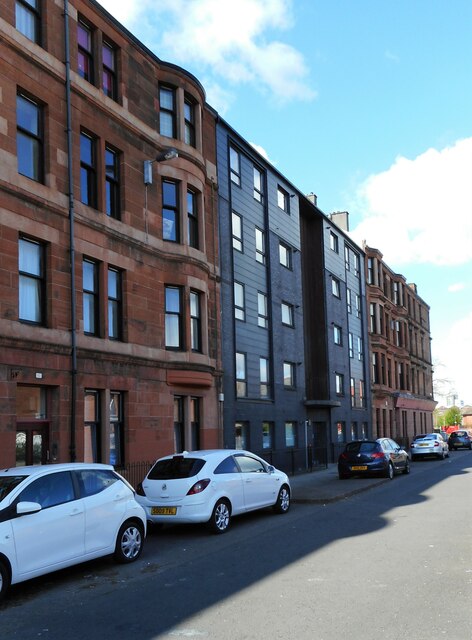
column 359, row 468
column 163, row 511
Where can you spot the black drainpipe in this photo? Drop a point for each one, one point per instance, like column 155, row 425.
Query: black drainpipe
column 70, row 187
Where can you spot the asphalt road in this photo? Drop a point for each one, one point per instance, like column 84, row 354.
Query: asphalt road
column 395, row 561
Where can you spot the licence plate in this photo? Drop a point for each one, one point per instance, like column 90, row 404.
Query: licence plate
column 163, row 511
column 362, row 467
column 424, row 445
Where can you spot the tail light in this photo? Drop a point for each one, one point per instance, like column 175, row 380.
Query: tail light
column 343, row 456
column 198, row 487
column 436, row 444
column 140, row 490
column 378, row 455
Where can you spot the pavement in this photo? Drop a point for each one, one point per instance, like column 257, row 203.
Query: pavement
column 323, row 486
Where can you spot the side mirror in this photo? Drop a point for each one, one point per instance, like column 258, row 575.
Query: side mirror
column 270, row 469
column 23, row 508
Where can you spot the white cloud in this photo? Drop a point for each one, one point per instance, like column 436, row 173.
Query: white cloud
column 454, row 288
column 420, row 210
column 261, row 151
column 454, row 351
column 227, row 38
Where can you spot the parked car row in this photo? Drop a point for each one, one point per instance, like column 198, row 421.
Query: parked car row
column 56, row 516
column 386, row 457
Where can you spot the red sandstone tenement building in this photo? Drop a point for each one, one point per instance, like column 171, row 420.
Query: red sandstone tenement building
column 400, row 353
column 109, row 282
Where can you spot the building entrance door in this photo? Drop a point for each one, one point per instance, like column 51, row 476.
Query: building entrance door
column 32, row 443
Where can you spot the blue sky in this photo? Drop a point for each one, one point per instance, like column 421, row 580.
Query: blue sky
column 366, row 103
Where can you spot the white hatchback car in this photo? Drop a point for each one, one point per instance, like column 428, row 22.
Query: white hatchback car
column 54, row 516
column 211, row 486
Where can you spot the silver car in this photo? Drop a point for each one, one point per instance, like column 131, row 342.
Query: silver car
column 429, row 444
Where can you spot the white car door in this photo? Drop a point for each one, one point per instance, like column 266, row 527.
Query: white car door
column 260, row 486
column 53, row 535
column 106, row 499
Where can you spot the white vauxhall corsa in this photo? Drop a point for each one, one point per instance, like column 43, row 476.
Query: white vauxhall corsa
column 55, row 516
column 211, row 486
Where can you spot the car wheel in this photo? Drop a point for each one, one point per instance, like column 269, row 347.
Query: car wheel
column 221, row 517
column 406, row 470
column 283, row 500
column 4, row 579
column 343, row 476
column 129, row 542
column 413, row 458
column 390, row 471
column 442, row 455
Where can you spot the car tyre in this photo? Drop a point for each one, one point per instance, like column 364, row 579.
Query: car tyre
column 390, row 471
column 4, row 579
column 343, row 476
column 129, row 542
column 221, row 517
column 283, row 500
column 406, row 470
column 442, row 455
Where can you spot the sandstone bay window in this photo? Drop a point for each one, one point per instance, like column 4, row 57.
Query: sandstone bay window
column 90, row 297
column 32, row 281
column 192, row 219
column 28, row 19
column 173, row 321
column 167, row 112
column 109, row 81
column 115, row 307
column 170, row 211
column 116, row 429
column 189, row 122
column 92, row 426
column 88, row 170
column 29, row 137
column 85, row 51
column 195, row 422
column 195, row 321
column 112, row 182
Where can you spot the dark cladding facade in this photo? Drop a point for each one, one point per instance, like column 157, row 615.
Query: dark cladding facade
column 262, row 310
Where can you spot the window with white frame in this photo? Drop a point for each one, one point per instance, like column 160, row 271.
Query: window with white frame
column 337, row 334
column 260, row 245
column 287, row 314
column 289, row 375
column 333, row 242
column 351, row 345
column 235, row 166
column 241, row 375
column 283, row 199
column 264, row 377
column 335, row 287
column 360, row 348
column 237, row 231
column 262, row 310
column 285, row 255
column 239, row 301
column 258, row 185
column 339, row 377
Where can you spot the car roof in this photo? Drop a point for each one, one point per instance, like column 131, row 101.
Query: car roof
column 209, row 454
column 43, row 469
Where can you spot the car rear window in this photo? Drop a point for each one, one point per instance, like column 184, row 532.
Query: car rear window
column 362, row 447
column 459, row 433
column 176, row 467
column 8, row 483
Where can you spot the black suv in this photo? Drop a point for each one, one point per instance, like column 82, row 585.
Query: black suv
column 459, row 439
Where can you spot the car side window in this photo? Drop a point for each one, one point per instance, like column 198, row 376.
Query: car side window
column 49, row 490
column 250, row 465
column 228, row 465
column 94, row 481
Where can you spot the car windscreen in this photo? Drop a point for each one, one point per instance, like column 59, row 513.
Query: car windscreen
column 175, row 468
column 8, row 483
column 362, row 447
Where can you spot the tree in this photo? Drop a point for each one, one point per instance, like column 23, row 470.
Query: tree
column 453, row 416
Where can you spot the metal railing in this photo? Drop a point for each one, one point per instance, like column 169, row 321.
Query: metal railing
column 134, row 472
